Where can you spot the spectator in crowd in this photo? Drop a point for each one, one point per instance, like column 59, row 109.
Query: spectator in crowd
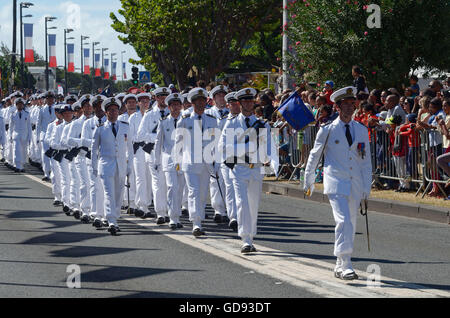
column 267, row 106
column 436, row 86
column 359, row 80
column 375, row 99
column 259, row 113
column 398, row 145
column 328, row 91
column 443, row 160
column 324, row 115
column 414, row 88
column 410, row 131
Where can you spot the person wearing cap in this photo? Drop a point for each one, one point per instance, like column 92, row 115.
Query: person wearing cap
column 328, row 91
column 8, row 111
column 3, row 137
column 164, row 146
column 57, row 142
column 347, row 174
column 96, row 209
column 55, row 174
column 35, row 150
column 188, row 108
column 79, row 160
column 144, row 195
column 147, row 134
column 216, row 184
column 123, row 108
column 46, row 116
column 109, row 160
column 130, row 102
column 245, row 147
column 194, row 135
column 230, row 198
column 19, row 134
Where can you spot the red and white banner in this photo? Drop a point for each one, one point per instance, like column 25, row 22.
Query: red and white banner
column 87, row 68
column 106, row 69
column 97, row 65
column 124, row 70
column 70, row 53
column 52, row 50
column 113, row 72
column 28, row 34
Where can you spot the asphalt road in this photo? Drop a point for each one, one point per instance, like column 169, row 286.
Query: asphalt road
column 38, row 242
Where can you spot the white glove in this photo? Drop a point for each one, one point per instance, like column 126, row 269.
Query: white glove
column 95, row 173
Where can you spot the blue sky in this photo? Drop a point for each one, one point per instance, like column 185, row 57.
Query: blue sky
column 86, row 17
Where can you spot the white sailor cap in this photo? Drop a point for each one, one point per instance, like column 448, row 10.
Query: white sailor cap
column 97, row 99
column 85, row 98
column 344, row 93
column 17, row 94
column 196, row 93
column 19, row 100
column 127, row 97
column 76, row 106
column 144, row 95
column 70, row 98
column 218, row 89
column 246, row 93
column 120, row 95
column 65, row 108
column 49, row 94
column 173, row 98
column 162, row 91
column 231, row 97
column 111, row 101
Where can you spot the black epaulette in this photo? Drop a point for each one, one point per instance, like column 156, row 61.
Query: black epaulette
column 124, row 122
column 223, row 117
column 211, row 116
column 232, row 117
column 164, row 118
column 326, row 124
column 186, row 116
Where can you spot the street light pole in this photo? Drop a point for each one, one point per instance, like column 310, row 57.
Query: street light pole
column 123, row 71
column 103, row 67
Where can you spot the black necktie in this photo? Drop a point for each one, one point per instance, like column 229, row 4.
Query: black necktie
column 114, row 129
column 175, row 122
column 247, row 122
column 162, row 113
column 20, row 115
column 99, row 121
column 348, row 135
column 221, row 113
column 50, row 109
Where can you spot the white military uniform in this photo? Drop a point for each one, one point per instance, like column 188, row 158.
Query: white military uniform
column 46, row 116
column 2, row 133
column 74, row 183
column 110, row 162
column 197, row 171
column 9, row 146
column 20, row 137
column 347, row 180
column 247, row 177
column 35, row 150
column 55, row 174
column 164, row 146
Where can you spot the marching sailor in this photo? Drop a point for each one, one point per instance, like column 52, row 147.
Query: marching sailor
column 46, row 116
column 347, row 174
column 19, row 134
column 109, row 160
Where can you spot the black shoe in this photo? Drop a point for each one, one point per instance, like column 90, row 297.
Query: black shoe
column 217, row 218
column 185, row 212
column 105, row 223
column 22, row 170
column 46, row 179
column 179, row 226
column 57, row 203
column 16, row 170
column 246, row 249
column 139, row 213
column 349, row 276
column 85, row 219
column 173, row 227
column 2, row 160
column 225, row 219
column 113, row 230
column 123, row 207
column 167, row 219
column 233, row 225
column 161, row 220
column 97, row 224
column 197, row 232
column 148, row 215
column 66, row 210
column 76, row 214
column 253, row 249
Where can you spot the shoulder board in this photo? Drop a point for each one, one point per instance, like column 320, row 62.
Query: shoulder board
column 124, row 122
column 326, row 124
column 186, row 116
column 211, row 116
column 223, row 117
column 26, row 111
column 231, row 118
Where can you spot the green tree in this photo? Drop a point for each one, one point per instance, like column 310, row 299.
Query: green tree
column 328, row 37
column 173, row 36
column 5, row 66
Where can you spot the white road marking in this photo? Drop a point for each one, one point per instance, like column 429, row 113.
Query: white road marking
column 312, row 275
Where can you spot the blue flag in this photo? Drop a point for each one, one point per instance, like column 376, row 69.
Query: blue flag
column 295, row 112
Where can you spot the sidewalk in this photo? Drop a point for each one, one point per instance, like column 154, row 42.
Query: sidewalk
column 403, row 204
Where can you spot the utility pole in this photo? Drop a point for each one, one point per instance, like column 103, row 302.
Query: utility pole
column 13, row 57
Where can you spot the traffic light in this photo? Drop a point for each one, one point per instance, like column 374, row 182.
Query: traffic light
column 135, row 76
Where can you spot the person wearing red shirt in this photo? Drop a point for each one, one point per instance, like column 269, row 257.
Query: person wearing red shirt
column 398, row 146
column 409, row 130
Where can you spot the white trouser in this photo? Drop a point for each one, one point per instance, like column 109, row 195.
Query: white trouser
column 184, row 203
column 400, row 167
column 175, row 185
column 132, row 191
column 75, row 185
column 247, row 185
column 217, row 194
column 345, row 209
column 113, row 190
column 45, row 159
column 56, row 179
column 83, row 174
column 19, row 153
column 65, row 181
column 143, row 181
column 95, row 193
column 159, row 188
column 230, row 198
column 198, row 191
column 9, row 151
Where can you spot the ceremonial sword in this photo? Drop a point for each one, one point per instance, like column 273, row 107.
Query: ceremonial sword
column 364, row 213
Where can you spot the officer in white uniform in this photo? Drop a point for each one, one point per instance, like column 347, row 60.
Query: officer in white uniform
column 347, row 174
column 4, row 115
column 79, row 154
column 8, row 113
column 245, row 146
column 147, row 134
column 187, row 110
column 217, row 186
column 164, row 146
column 19, row 134
column 97, row 211
column 2, row 133
column 35, row 151
column 196, row 139
column 109, row 160
column 130, row 102
column 46, row 116
column 144, row 194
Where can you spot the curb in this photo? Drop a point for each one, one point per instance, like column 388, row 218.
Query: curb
column 418, row 211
